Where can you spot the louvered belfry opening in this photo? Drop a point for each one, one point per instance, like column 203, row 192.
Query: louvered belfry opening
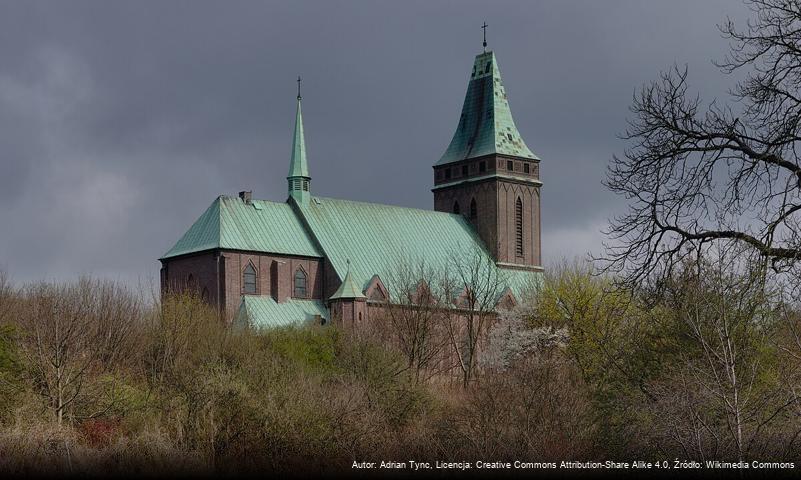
column 519, row 227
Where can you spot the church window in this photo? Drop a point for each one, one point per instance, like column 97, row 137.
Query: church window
column 510, row 165
column 305, row 185
column 464, row 170
column 486, row 70
column 473, row 209
column 482, row 166
column 249, row 279
column 360, row 317
column 525, row 168
column 300, row 284
column 456, row 207
column 447, row 173
column 509, row 136
column 519, row 227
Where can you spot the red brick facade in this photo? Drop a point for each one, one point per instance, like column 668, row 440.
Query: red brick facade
column 218, row 276
column 495, row 189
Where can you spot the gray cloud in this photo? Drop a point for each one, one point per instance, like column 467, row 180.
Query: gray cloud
column 121, row 121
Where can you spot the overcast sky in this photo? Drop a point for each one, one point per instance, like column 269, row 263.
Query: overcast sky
column 121, row 121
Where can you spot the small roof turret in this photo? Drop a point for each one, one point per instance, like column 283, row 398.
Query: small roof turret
column 348, row 289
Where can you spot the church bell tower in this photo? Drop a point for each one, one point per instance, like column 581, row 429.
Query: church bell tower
column 489, row 175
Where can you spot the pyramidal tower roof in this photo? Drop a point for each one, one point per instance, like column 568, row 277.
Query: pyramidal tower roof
column 486, row 125
column 348, row 289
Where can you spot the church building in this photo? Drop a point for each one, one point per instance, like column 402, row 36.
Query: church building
column 318, row 259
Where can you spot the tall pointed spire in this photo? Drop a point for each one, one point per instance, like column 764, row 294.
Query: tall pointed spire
column 298, row 179
column 486, row 126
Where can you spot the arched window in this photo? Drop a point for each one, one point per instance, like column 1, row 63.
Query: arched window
column 249, row 279
column 473, row 209
column 456, row 207
column 300, row 284
column 519, row 227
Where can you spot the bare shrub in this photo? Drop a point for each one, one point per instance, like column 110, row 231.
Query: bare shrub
column 68, row 332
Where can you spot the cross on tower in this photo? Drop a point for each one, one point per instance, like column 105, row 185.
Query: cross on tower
column 484, row 27
column 298, row 87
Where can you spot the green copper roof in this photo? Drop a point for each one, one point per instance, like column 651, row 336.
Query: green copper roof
column 264, row 312
column 523, row 283
column 486, row 125
column 260, row 226
column 348, row 289
column 377, row 239
column 298, row 165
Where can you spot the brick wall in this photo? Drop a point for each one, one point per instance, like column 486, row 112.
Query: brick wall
column 495, row 200
column 274, row 276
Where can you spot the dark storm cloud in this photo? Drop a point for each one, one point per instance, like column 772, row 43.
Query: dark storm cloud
column 121, row 121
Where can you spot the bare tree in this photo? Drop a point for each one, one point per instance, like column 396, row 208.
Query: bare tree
column 70, row 331
column 720, row 399
column 716, row 174
column 414, row 314
column 474, row 284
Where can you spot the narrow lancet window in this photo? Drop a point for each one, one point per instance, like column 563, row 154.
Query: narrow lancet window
column 300, row 284
column 519, row 227
column 249, row 279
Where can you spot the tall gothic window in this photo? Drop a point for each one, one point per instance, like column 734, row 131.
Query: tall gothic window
column 456, row 207
column 249, row 279
column 519, row 227
column 300, row 284
column 473, row 209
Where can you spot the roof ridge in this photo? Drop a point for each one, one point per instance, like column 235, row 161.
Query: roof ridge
column 433, row 212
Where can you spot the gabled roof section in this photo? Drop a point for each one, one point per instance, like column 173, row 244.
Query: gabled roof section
column 265, row 312
column 486, row 125
column 258, row 226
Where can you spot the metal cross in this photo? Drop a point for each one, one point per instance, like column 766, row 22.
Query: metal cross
column 298, row 87
column 484, row 27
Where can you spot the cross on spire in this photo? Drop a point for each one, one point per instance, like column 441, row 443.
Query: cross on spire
column 298, row 87
column 484, row 27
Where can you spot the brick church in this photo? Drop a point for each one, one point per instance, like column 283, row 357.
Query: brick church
column 317, row 259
